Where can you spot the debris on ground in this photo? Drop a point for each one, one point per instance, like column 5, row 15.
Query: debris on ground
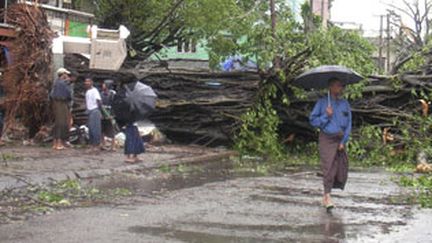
column 22, row 203
column 424, row 168
column 422, row 164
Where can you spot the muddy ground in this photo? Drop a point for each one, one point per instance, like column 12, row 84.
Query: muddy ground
column 216, row 203
column 23, row 165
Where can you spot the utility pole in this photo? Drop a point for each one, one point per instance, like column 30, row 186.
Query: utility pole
column 323, row 19
column 388, row 43
column 5, row 12
column 276, row 62
column 380, row 55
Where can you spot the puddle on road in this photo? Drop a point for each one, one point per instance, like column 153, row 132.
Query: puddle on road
column 332, row 230
column 189, row 176
column 196, row 237
column 358, row 216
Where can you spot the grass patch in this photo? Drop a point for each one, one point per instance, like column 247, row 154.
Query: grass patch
column 122, row 192
column 295, row 156
column 5, row 157
column 401, row 168
column 47, row 198
column 164, row 168
column 421, row 189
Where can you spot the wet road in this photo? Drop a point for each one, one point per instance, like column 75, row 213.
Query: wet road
column 231, row 209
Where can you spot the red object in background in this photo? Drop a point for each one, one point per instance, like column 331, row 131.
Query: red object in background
column 67, row 25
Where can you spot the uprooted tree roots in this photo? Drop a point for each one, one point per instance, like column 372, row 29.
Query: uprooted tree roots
column 27, row 79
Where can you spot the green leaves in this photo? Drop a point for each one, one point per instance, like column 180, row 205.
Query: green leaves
column 335, row 46
column 156, row 24
column 50, row 197
column 232, row 27
column 422, row 189
column 258, row 133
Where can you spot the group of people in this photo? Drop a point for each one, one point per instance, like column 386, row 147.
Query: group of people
column 100, row 121
column 331, row 114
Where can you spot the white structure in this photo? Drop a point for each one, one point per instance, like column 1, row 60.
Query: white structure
column 106, row 49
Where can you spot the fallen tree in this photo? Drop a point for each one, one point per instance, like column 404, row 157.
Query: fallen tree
column 27, row 80
column 205, row 107
column 199, row 105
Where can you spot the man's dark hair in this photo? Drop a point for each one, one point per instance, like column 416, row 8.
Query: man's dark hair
column 333, row 80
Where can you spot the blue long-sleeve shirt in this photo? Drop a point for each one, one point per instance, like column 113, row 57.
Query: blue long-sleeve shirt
column 340, row 121
column 61, row 90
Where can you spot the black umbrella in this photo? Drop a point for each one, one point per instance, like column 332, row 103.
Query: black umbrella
column 133, row 102
column 317, row 78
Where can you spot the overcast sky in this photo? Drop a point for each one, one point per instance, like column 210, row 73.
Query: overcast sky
column 365, row 12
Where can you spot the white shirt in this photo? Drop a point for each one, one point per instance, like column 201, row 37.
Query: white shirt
column 92, row 96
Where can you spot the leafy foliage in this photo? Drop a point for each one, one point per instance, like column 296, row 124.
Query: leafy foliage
column 340, row 47
column 331, row 46
column 416, row 60
column 422, row 186
column 258, row 134
column 244, row 28
column 412, row 37
column 367, row 148
column 155, row 24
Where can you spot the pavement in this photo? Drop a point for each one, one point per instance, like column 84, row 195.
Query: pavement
column 210, row 204
column 27, row 165
column 196, row 208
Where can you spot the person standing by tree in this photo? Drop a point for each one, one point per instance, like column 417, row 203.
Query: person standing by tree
column 93, row 105
column 73, row 76
column 134, row 144
column 332, row 115
column 61, row 96
column 108, row 126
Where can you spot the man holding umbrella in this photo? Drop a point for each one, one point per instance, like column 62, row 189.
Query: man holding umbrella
column 332, row 115
column 133, row 102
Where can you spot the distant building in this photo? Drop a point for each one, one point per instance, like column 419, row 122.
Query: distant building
column 66, row 21
column 197, row 50
column 322, row 9
column 61, row 17
column 58, row 3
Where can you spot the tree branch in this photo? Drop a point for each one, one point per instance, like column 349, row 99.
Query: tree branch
column 163, row 23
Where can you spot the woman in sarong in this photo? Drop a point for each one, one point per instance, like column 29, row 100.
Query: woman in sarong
column 134, row 144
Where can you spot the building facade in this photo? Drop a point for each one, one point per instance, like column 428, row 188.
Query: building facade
column 197, row 50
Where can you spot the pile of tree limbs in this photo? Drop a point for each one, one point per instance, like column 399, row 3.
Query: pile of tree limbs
column 194, row 106
column 205, row 107
column 387, row 102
